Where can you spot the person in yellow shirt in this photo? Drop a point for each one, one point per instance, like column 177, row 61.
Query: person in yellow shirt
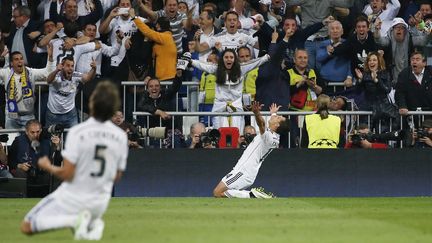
column 164, row 48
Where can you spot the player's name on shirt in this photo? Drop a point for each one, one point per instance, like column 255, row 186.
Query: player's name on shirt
column 101, row 135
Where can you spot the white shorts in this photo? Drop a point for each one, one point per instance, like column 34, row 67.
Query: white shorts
column 53, row 206
column 237, row 180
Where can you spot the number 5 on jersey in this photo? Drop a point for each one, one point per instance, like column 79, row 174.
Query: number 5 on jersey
column 99, row 157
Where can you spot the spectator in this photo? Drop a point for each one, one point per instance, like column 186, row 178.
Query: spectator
column 194, row 140
column 164, row 49
column 24, row 153
column 232, row 38
column 385, row 10
column 19, row 82
column 418, row 18
column 374, row 81
column 134, row 136
column 207, row 89
column 69, row 46
column 361, row 141
column 207, row 30
column 414, row 85
column 71, row 13
column 296, row 36
column 303, row 84
column 249, row 88
column 230, row 76
column 358, row 45
column 315, row 12
column 4, row 52
column 400, row 42
column 335, row 69
column 23, row 36
column 63, row 84
column 159, row 102
column 178, row 21
column 321, row 130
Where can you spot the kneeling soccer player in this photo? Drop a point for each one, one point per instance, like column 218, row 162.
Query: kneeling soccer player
column 245, row 171
column 94, row 157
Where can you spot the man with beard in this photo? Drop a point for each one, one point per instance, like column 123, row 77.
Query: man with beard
column 63, row 84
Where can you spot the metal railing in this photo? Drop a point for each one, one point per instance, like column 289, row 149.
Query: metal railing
column 351, row 118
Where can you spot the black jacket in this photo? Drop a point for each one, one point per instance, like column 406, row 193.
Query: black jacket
column 164, row 102
column 92, row 17
column 410, row 94
column 34, row 60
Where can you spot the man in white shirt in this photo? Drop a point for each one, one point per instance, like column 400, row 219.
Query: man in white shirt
column 94, row 158
column 63, row 86
column 231, row 38
column 19, row 82
column 243, row 175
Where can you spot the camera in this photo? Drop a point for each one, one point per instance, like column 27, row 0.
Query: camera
column 247, row 140
column 4, row 138
column 422, row 133
column 209, row 139
column 141, row 132
column 357, row 137
column 122, row 11
column 55, row 129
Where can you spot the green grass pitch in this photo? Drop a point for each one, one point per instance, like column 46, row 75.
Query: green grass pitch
column 235, row 220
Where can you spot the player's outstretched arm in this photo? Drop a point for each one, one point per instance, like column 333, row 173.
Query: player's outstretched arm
column 256, row 109
column 65, row 173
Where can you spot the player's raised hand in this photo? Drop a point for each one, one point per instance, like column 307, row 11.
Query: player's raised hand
column 256, row 106
column 274, row 108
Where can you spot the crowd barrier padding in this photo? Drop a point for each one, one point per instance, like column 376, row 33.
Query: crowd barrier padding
column 286, row 172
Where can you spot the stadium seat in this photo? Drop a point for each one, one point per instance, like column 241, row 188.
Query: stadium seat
column 228, row 137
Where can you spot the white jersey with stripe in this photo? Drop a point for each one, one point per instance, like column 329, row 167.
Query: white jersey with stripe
column 98, row 150
column 255, row 153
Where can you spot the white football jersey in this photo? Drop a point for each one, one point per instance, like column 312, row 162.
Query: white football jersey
column 128, row 27
column 98, row 150
column 255, row 153
column 231, row 41
column 61, row 98
column 59, row 53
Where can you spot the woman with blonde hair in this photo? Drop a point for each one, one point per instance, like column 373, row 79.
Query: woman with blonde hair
column 321, row 130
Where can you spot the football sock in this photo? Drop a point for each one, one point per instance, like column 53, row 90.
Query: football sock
column 54, row 222
column 237, row 193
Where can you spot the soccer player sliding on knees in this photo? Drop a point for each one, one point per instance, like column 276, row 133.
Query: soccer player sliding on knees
column 243, row 175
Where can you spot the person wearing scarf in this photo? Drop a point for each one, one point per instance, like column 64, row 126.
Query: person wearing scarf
column 19, row 82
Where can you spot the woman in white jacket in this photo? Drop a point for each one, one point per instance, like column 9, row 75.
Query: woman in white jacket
column 230, row 75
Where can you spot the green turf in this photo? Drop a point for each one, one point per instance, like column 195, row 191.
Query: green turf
column 212, row 220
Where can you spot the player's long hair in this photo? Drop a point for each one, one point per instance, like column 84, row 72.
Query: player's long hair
column 104, row 101
column 322, row 104
column 221, row 72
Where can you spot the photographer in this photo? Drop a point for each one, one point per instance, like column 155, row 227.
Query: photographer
column 362, row 138
column 423, row 136
column 194, row 137
column 25, row 151
column 249, row 134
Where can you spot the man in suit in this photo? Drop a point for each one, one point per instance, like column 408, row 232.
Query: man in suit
column 23, row 35
column 414, row 85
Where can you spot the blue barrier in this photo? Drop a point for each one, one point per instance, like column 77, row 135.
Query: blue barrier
column 287, row 173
